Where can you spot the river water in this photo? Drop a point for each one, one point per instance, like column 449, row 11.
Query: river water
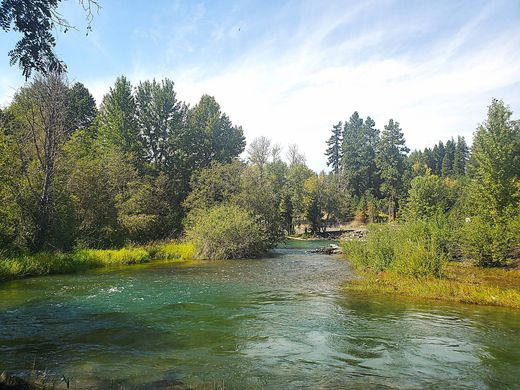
column 281, row 322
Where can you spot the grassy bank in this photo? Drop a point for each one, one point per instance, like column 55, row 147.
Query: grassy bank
column 46, row 263
column 461, row 282
column 412, row 260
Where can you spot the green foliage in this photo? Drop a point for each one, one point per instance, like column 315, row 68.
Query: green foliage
column 390, row 161
column 334, row 151
column 45, row 263
column 494, row 189
column 172, row 251
column 417, row 249
column 108, row 257
column 215, row 184
column 429, row 196
column 487, row 243
column 358, row 164
column 225, row 232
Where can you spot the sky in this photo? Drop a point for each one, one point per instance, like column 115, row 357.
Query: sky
column 290, row 70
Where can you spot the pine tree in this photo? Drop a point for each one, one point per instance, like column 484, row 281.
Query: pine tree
column 461, row 157
column 390, row 161
column 334, row 151
column 448, row 159
column 352, row 163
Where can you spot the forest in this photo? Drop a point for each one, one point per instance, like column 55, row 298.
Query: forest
column 145, row 167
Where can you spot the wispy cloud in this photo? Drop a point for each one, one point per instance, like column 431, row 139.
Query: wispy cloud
column 290, row 71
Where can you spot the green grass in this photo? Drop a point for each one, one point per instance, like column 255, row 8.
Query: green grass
column 172, row 251
column 462, row 283
column 415, row 249
column 46, row 263
column 411, row 259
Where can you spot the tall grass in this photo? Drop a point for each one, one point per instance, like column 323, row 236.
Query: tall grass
column 415, row 248
column 172, row 251
column 45, row 263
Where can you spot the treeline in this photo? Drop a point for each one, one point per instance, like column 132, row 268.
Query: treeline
column 374, row 166
column 450, row 202
column 75, row 176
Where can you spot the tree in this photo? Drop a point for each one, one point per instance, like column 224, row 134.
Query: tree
column 294, row 157
column 81, row 108
column 448, row 159
column 390, row 160
column 38, row 129
column 358, row 161
column 218, row 183
column 313, row 201
column 460, row 157
column 495, row 162
column 428, row 195
column 334, row 150
column 259, row 152
column 161, row 123
column 36, row 19
column 213, row 135
column 117, row 120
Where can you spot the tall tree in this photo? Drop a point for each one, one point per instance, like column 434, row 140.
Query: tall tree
column 359, row 148
column 494, row 189
column 39, row 130
column 81, row 108
column 213, row 135
column 390, row 162
column 259, row 152
column 161, row 122
column 448, row 159
column 460, row 157
column 495, row 162
column 294, row 156
column 117, row 119
column 334, row 151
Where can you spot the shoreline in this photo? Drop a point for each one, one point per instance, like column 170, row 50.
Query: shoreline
column 462, row 282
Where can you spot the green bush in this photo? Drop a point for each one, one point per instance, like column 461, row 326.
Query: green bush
column 488, row 243
column 414, row 248
column 225, row 232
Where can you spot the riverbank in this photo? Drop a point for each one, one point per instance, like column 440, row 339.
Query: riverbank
column 461, row 282
column 48, row 263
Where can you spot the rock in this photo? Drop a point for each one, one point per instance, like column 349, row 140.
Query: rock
column 327, row 250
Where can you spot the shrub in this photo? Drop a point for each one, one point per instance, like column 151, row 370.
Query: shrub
column 415, row 248
column 488, row 243
column 225, row 232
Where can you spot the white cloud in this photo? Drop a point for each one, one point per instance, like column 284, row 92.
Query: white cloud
column 292, row 87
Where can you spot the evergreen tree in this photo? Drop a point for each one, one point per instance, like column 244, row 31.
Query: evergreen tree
column 448, row 159
column 494, row 189
column 81, row 108
column 390, row 161
column 334, row 151
column 460, row 157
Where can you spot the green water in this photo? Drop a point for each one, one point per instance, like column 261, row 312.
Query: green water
column 281, row 322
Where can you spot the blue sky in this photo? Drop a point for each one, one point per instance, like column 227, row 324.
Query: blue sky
column 290, row 70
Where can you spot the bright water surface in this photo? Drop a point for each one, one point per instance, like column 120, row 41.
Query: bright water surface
column 281, row 322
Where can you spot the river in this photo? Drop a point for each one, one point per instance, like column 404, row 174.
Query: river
column 281, row 322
